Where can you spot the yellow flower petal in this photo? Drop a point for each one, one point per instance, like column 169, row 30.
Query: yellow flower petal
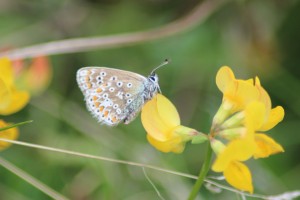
column 5, row 95
column 152, row 122
column 236, row 150
column 19, row 99
column 266, row 146
column 167, row 111
column 6, row 71
column 224, row 77
column 239, row 176
column 276, row 116
column 264, row 96
column 250, row 81
column 10, row 134
column 255, row 114
column 239, row 93
column 242, row 94
column 159, row 117
column 175, row 145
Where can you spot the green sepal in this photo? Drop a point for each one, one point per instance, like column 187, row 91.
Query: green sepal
column 198, row 139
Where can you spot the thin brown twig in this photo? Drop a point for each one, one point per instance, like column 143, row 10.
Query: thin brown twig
column 197, row 15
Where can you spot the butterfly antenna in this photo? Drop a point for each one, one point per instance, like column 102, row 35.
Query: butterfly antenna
column 167, row 61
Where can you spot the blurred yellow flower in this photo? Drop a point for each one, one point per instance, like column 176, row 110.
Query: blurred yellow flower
column 244, row 113
column 10, row 134
column 34, row 78
column 162, row 123
column 11, row 99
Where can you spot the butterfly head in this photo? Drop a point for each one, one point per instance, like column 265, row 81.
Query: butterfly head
column 153, row 80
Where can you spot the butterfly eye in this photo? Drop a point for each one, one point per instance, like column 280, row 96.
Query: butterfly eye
column 152, row 78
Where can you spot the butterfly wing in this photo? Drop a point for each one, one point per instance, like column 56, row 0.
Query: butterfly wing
column 111, row 95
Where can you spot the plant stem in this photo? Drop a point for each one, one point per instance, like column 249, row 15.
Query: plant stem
column 15, row 125
column 202, row 173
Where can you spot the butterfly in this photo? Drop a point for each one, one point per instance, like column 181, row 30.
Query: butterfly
column 116, row 96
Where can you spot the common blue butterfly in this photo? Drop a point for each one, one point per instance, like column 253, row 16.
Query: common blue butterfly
column 113, row 95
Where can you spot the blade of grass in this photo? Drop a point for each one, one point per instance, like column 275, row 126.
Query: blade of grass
column 259, row 196
column 15, row 125
column 31, row 180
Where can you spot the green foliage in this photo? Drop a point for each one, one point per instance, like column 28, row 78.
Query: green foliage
column 253, row 37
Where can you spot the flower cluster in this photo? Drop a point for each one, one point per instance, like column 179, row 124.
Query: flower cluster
column 245, row 113
column 237, row 129
column 11, row 100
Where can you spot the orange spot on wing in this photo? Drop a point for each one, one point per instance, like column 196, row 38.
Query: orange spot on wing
column 97, row 104
column 101, row 108
column 89, row 85
column 114, row 119
column 95, row 98
column 99, row 90
column 105, row 113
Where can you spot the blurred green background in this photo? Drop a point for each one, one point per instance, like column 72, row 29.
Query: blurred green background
column 253, row 37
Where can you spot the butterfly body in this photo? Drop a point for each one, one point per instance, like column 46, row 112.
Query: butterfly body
column 114, row 96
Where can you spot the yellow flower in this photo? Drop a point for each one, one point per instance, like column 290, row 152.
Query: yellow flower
column 265, row 145
column 10, row 134
column 162, row 123
column 11, row 99
column 230, row 156
column 34, row 77
column 236, row 93
column 245, row 112
column 238, row 175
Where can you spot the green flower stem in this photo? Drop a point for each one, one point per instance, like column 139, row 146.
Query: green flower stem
column 202, row 174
